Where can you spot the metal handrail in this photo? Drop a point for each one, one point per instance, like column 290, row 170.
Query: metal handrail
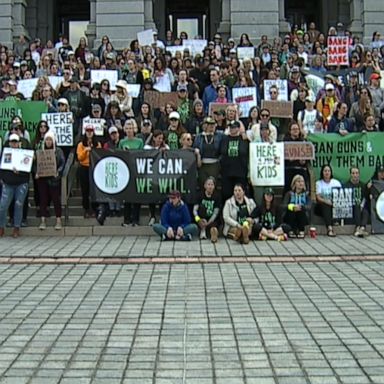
column 67, row 183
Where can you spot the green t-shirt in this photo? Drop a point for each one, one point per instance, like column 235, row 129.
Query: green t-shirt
column 134, row 143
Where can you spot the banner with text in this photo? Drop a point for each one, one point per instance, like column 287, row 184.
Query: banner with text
column 266, row 164
column 337, row 53
column 142, row 176
column 246, row 98
column 362, row 150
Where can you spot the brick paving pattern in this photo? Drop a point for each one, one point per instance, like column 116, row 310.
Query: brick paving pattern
column 235, row 323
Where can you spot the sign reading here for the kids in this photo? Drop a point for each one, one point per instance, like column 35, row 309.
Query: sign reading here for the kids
column 61, row 124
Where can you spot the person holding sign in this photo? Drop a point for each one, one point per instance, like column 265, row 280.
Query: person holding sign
column 324, row 204
column 296, row 207
column 239, row 215
column 14, row 186
column 49, row 186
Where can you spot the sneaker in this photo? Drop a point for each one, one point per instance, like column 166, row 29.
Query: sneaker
column 203, row 234
column 214, row 234
column 42, row 226
column 187, row 237
column 358, row 232
column 152, row 221
column 100, row 218
column 125, row 224
column 58, row 226
column 363, row 231
column 245, row 233
column 24, row 224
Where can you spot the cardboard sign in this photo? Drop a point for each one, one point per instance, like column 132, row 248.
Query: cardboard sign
column 97, row 125
column 62, row 125
column 97, row 76
column 245, row 52
column 46, row 163
column 282, row 86
column 299, row 150
column 17, row 159
column 342, row 203
column 145, row 37
column 337, row 52
column 26, row 87
column 246, row 98
column 266, row 164
column 281, row 109
column 133, row 90
column 159, row 99
column 215, row 107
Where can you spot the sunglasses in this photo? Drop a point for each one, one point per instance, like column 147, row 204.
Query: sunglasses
column 188, row 138
column 264, row 115
column 173, row 119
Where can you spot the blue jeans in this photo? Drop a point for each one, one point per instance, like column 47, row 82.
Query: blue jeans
column 19, row 192
column 190, row 229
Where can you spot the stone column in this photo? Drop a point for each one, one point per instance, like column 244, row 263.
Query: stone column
column 225, row 24
column 284, row 27
column 91, row 27
column 6, row 23
column 356, row 26
column 18, row 13
column 120, row 20
column 254, row 17
column 148, row 15
column 31, row 19
column 372, row 18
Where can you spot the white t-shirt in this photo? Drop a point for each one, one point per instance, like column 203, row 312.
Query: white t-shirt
column 325, row 189
column 309, row 120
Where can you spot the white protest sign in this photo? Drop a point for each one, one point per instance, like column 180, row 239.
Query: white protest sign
column 97, row 76
column 195, row 45
column 97, row 125
column 245, row 52
column 17, row 158
column 26, row 87
column 62, row 125
column 282, row 86
column 173, row 49
column 246, row 98
column 337, row 52
column 342, row 203
column 315, row 83
column 133, row 90
column 266, row 164
column 55, row 81
column 145, row 37
column 162, row 83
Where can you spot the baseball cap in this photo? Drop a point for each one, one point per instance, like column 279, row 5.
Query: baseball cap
column 110, row 56
column 380, row 168
column 174, row 115
column 147, row 122
column 16, row 64
column 295, row 69
column 14, row 137
column 112, row 130
column 62, row 100
column 234, row 124
column 374, row 76
column 209, row 120
column 174, row 194
column 89, row 128
column 23, row 62
column 329, row 87
column 309, row 98
column 71, row 53
column 268, row 191
column 181, row 87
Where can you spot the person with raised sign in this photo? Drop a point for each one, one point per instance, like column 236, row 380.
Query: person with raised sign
column 49, row 187
column 14, row 186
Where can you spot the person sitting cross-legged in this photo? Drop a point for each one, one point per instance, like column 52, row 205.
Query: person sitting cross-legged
column 175, row 220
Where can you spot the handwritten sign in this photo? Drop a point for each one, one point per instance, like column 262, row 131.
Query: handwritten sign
column 266, row 163
column 299, row 150
column 216, row 107
column 160, row 99
column 26, row 87
column 16, row 158
column 97, row 125
column 246, row 99
column 245, row 52
column 46, row 163
column 282, row 87
column 61, row 124
column 133, row 90
column 97, row 76
column 195, row 45
column 281, row 109
column 337, row 53
column 145, row 37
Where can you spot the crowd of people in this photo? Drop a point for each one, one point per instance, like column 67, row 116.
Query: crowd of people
column 219, row 139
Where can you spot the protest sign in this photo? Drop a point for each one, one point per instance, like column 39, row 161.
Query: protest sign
column 158, row 99
column 281, row 109
column 337, row 52
column 142, row 176
column 162, row 83
column 246, row 98
column 133, row 90
column 26, row 87
column 361, row 150
column 282, row 86
column 315, row 83
column 46, row 163
column 55, row 81
column 62, row 125
column 299, row 150
column 145, row 37
column 377, row 206
column 29, row 111
column 245, row 52
column 266, row 164
column 172, row 49
column 17, row 159
column 97, row 125
column 97, row 76
column 215, row 107
column 195, row 46
column 342, row 203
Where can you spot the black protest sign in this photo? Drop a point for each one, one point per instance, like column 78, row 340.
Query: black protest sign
column 140, row 176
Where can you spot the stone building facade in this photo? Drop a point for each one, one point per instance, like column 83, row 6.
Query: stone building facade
column 122, row 19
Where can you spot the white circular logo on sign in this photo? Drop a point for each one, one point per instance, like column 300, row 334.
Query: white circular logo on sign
column 111, row 175
column 380, row 206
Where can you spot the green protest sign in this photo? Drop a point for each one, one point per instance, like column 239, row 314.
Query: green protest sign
column 29, row 111
column 362, row 150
